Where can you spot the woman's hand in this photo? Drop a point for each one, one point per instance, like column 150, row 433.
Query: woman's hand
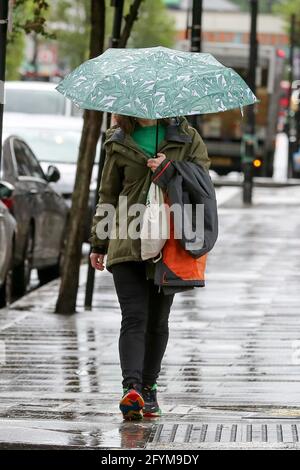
column 154, row 163
column 97, row 261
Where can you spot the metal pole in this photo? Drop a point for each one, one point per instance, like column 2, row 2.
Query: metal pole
column 196, row 33
column 3, row 41
column 253, row 60
column 249, row 137
column 196, row 45
column 114, row 42
column 291, row 79
column 297, row 120
column 117, row 24
column 188, row 23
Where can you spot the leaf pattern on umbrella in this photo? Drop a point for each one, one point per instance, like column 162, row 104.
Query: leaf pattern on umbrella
column 154, row 83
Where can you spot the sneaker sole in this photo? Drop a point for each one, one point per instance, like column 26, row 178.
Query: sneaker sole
column 131, row 406
column 149, row 414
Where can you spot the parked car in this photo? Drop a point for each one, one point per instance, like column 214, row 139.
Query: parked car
column 55, row 141
column 40, row 213
column 7, row 236
column 37, row 98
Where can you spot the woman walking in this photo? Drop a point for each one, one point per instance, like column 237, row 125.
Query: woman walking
column 130, row 166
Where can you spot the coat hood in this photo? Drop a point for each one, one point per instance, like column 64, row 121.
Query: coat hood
column 177, row 131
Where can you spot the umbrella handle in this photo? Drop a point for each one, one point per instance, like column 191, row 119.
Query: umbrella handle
column 156, row 143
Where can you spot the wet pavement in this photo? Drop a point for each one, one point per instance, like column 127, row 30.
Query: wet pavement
column 231, row 374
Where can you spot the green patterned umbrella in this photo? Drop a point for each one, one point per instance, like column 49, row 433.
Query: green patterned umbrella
column 155, row 83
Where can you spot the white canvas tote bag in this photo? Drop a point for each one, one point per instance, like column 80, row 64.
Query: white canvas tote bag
column 155, row 224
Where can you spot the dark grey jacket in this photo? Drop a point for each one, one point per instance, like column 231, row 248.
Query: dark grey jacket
column 188, row 183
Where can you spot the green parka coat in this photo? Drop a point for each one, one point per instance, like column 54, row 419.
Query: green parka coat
column 125, row 173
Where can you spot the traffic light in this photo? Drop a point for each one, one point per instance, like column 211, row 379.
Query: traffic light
column 249, row 147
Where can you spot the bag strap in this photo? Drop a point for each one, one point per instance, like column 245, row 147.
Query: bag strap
column 159, row 256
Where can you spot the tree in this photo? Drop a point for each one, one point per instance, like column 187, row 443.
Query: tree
column 284, row 8
column 92, row 120
column 154, row 28
column 66, row 302
column 29, row 17
column 70, row 22
column 287, row 8
column 265, row 6
column 14, row 56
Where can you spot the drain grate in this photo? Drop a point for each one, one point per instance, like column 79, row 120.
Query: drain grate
column 225, row 433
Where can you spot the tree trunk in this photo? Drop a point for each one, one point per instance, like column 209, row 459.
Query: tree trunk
column 129, row 22
column 92, row 121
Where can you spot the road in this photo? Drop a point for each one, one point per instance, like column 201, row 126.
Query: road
column 231, row 374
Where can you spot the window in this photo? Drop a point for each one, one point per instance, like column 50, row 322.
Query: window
column 22, row 166
column 34, row 102
column 26, row 162
column 52, row 145
column 7, row 168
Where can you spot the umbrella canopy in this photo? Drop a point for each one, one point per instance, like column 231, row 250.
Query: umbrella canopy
column 155, row 83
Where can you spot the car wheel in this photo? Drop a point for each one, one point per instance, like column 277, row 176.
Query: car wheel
column 22, row 272
column 2, row 296
column 52, row 272
column 48, row 274
column 6, row 289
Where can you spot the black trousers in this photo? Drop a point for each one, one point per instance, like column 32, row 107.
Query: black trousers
column 144, row 328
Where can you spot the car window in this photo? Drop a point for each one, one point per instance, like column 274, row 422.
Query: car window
column 26, row 162
column 22, row 164
column 7, row 168
column 53, row 145
column 75, row 111
column 34, row 101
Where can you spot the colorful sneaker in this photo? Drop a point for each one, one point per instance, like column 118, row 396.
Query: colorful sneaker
column 131, row 404
column 151, row 408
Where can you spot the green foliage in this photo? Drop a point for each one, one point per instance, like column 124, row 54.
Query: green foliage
column 265, row 6
column 28, row 17
column 71, row 22
column 287, row 8
column 154, row 26
column 14, row 57
column 243, row 4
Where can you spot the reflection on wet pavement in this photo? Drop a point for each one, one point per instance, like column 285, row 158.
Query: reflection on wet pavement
column 231, row 373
